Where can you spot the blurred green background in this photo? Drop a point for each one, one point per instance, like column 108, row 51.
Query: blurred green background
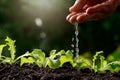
column 42, row 24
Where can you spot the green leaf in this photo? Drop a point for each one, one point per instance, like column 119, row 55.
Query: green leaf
column 12, row 49
column 62, row 52
column 54, row 59
column 53, row 52
column 114, row 66
column 82, row 62
column 7, row 60
column 1, row 49
column 103, row 65
column 28, row 60
column 96, row 64
column 53, row 64
column 39, row 57
column 66, row 57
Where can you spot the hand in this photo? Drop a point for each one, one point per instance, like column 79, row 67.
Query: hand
column 84, row 10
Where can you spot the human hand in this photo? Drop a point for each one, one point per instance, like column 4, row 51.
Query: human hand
column 84, row 10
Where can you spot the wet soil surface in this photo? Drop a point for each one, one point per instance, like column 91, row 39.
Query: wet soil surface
column 33, row 72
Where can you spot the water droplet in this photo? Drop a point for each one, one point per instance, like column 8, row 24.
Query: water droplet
column 42, row 35
column 72, row 45
column 72, row 51
column 38, row 22
column 72, row 39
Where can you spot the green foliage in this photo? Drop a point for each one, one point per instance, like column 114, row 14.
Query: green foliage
column 28, row 60
column 57, row 59
column 67, row 57
column 54, row 60
column 101, row 65
column 82, row 62
column 114, row 66
column 98, row 61
column 12, row 49
column 98, row 64
column 1, row 49
column 36, row 56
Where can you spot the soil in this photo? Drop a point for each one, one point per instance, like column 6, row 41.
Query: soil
column 33, row 72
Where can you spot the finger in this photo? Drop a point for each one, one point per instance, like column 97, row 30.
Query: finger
column 69, row 16
column 81, row 18
column 78, row 5
column 97, row 8
column 105, row 7
column 73, row 19
column 86, row 17
column 96, row 16
column 86, row 6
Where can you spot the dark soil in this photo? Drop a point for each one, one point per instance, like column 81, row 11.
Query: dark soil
column 33, row 72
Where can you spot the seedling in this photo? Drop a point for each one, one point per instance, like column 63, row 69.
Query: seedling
column 57, row 59
column 12, row 50
column 37, row 56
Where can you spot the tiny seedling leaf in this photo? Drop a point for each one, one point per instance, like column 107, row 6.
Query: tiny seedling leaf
column 28, row 60
column 12, row 49
column 1, row 49
column 39, row 57
column 53, row 61
column 66, row 57
column 114, row 66
column 96, row 64
column 82, row 62
column 53, row 64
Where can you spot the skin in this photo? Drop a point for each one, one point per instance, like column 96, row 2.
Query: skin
column 84, row 10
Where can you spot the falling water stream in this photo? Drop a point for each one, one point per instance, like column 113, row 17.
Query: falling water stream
column 75, row 39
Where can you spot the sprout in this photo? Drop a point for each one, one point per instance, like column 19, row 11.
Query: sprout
column 57, row 59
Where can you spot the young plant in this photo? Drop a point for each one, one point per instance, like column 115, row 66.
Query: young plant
column 37, row 56
column 11, row 47
column 113, row 66
column 56, row 60
column 101, row 65
column 12, row 50
column 53, row 61
column 98, row 64
column 82, row 62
